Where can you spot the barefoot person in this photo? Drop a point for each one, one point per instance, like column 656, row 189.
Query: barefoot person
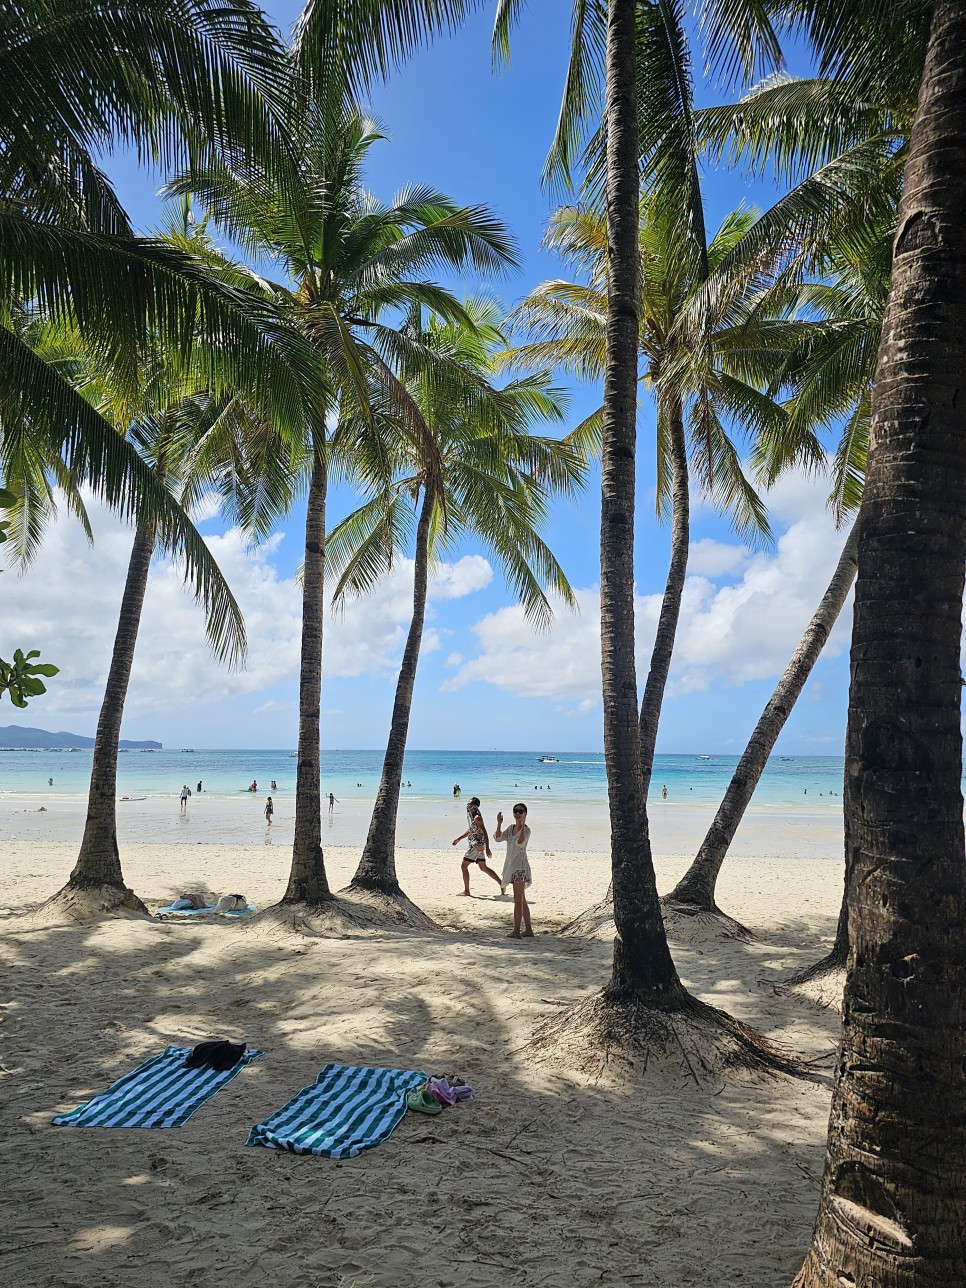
column 477, row 842
column 516, row 868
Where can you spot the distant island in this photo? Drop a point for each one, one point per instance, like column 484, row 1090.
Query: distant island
column 18, row 738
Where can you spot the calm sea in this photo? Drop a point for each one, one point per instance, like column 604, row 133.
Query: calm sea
column 698, row 779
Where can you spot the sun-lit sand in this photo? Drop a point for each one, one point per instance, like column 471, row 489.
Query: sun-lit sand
column 548, row 1178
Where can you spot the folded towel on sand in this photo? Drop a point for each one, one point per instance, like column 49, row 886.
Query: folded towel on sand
column 347, row 1109
column 159, row 1093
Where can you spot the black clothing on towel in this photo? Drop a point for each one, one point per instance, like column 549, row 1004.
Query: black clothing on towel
column 220, row 1055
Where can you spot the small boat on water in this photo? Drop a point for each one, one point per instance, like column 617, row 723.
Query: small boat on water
column 702, row 757
column 184, row 749
column 548, row 760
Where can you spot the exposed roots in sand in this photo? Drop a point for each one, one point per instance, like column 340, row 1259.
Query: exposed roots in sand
column 393, row 911
column 686, row 923
column 611, row 1041
column 596, row 922
column 822, row 984
column 351, row 913
column 86, row 903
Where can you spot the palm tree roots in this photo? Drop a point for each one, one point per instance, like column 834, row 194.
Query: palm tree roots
column 76, row 902
column 610, row 1039
column 691, row 923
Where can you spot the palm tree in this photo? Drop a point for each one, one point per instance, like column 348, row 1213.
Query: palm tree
column 829, row 374
column 495, row 481
column 899, row 1094
column 645, row 1001
column 905, row 994
column 350, row 260
column 165, row 77
column 172, row 424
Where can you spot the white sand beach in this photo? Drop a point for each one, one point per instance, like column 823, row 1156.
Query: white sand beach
column 547, row 1178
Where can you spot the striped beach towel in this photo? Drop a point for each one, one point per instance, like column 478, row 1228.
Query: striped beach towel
column 346, row 1110
column 159, row 1093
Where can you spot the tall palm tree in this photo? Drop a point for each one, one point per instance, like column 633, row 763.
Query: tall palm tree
column 351, row 262
column 703, row 374
column 882, row 1216
column 495, row 480
column 173, row 420
column 829, row 374
column 645, row 997
column 899, row 1095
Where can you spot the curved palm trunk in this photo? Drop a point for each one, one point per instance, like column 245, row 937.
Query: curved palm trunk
column 642, row 962
column 893, row 1203
column 98, row 862
column 697, row 887
column 667, row 624
column 377, row 867
column 307, row 881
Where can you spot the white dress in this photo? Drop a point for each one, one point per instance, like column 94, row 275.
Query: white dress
column 516, row 855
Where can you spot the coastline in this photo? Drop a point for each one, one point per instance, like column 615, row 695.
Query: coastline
column 559, row 826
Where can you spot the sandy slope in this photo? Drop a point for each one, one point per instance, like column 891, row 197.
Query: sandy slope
column 544, row 1180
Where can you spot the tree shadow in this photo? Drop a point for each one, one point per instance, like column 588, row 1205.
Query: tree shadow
column 544, row 1179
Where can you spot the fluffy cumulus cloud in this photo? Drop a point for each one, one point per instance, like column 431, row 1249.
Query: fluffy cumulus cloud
column 67, row 604
column 742, row 615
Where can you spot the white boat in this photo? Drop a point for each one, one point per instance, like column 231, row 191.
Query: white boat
column 549, row 760
column 703, row 757
column 184, row 749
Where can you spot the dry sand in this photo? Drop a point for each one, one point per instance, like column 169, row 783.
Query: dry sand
column 546, row 1179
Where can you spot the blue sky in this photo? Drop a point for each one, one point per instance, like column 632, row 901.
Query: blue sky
column 485, row 681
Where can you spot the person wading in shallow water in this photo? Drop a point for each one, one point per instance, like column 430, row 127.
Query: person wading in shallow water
column 477, row 842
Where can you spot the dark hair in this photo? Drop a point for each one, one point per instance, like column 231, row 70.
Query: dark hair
column 474, row 800
column 520, row 805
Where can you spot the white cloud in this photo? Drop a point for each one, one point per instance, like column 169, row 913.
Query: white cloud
column 714, row 558
column 731, row 634
column 67, row 604
column 453, row 581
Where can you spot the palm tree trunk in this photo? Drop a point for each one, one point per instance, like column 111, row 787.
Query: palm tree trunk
column 667, row 624
column 377, row 867
column 697, row 887
column 307, row 883
column 893, row 1204
column 99, row 862
column 642, row 962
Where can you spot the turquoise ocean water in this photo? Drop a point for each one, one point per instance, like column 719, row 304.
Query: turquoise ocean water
column 697, row 779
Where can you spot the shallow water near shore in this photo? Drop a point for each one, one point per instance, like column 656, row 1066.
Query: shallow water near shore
column 352, row 775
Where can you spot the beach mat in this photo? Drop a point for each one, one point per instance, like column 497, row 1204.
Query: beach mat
column 347, row 1109
column 159, row 1093
column 162, row 913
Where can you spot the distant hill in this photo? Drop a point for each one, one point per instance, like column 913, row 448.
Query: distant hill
column 17, row 736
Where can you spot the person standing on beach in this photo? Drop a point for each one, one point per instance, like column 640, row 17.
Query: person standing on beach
column 332, row 801
column 664, row 793
column 199, row 784
column 185, row 793
column 269, row 811
column 477, row 843
column 516, row 868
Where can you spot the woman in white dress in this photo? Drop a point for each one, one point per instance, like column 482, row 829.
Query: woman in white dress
column 516, row 868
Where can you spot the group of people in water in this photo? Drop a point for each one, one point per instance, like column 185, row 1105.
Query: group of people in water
column 516, row 866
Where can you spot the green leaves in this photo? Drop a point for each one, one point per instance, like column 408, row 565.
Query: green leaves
column 19, row 678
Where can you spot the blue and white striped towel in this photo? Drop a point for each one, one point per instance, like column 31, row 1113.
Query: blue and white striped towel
column 159, row 1093
column 346, row 1110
